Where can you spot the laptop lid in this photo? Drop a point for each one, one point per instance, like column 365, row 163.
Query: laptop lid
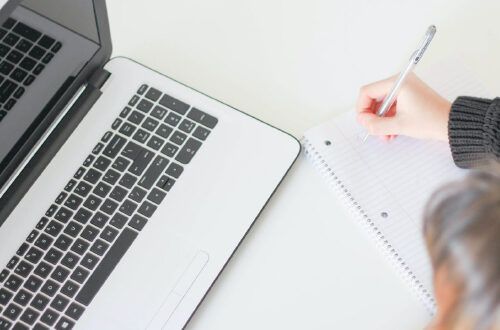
column 82, row 25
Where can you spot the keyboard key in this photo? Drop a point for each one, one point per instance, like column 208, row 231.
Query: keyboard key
column 147, row 209
column 53, row 228
column 144, row 106
column 43, row 269
column 128, row 180
column 73, row 229
column 111, row 176
column 140, row 163
column 29, row 80
column 120, row 163
column 63, row 215
column 57, row 46
column 23, row 297
column 70, row 185
column 12, row 311
column 99, row 220
column 109, row 206
column 202, row 118
column 169, row 149
column 11, row 39
column 188, row 151
column 92, row 202
column 102, row 163
column 60, row 274
column 99, row 247
column 8, row 87
column 12, row 262
column 64, row 324
column 29, row 316
column 24, row 247
column 90, row 233
column 132, row 150
column 137, row 222
column 50, row 288
column 37, row 52
column 174, row 170
column 38, row 69
column 109, row 234
column 61, row 197
column 153, row 94
column 159, row 112
column 97, row 149
column 83, row 215
column 178, row 138
column 44, row 241
column 106, row 266
column 187, row 126
column 69, row 288
column 80, row 246
column 164, row 131
column 165, row 183
column 10, row 104
column 34, row 255
column 3, row 275
column 155, row 142
column 141, row 136
column 73, row 201
column 19, row 92
column 174, row 104
column 47, row 58
column 92, row 176
column 49, row 317
column 9, row 23
column 27, row 64
column 119, row 220
column 116, row 123
column 89, row 261
column 128, row 207
column 14, row 56
column 142, row 89
column 59, row 303
column 53, row 256
column 23, row 268
column 88, row 160
column 52, row 209
column 46, row 42
column 75, row 311
column 102, row 189
column 4, row 50
column 40, row 302
column 153, row 173
column 33, row 283
column 127, row 129
column 5, row 296
column 136, row 117
column 4, row 323
column 156, row 196
column 173, row 119
column 32, row 236
column 114, row 146
column 70, row 260
column 137, row 194
column 80, row 274
column 150, row 124
column 63, row 242
column 27, row 32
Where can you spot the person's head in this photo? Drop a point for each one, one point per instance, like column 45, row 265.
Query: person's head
column 462, row 233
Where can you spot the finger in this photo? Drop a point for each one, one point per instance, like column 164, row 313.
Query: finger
column 373, row 92
column 376, row 125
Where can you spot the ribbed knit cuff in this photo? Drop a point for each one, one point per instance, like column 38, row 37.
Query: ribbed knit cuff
column 474, row 130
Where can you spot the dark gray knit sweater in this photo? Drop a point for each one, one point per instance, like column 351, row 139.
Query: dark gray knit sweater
column 474, row 130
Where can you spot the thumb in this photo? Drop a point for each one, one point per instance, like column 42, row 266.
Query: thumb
column 376, row 125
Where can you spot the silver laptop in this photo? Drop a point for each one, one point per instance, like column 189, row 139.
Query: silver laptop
column 123, row 193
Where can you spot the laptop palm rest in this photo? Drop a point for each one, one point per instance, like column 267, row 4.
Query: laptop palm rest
column 180, row 289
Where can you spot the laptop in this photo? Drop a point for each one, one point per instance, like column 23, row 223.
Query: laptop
column 123, row 193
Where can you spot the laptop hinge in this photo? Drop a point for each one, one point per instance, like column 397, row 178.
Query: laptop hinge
column 99, row 78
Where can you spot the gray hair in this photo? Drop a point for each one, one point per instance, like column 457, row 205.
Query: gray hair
column 462, row 233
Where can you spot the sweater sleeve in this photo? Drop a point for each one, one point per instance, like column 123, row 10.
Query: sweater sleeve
column 474, row 131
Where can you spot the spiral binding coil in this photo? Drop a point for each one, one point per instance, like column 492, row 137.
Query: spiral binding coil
column 365, row 221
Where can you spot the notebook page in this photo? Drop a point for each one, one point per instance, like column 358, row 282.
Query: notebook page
column 392, row 181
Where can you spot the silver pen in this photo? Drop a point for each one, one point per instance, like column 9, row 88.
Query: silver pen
column 414, row 59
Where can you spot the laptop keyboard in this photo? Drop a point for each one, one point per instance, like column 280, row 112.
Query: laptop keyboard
column 24, row 53
column 75, row 246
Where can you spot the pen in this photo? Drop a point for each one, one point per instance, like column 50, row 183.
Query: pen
column 414, row 59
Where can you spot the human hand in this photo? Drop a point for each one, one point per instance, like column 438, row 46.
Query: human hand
column 418, row 111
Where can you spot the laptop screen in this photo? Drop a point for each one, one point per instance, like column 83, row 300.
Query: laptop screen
column 44, row 44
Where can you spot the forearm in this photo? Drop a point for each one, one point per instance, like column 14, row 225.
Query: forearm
column 474, row 130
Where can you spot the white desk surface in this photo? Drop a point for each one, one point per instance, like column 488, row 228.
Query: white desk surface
column 305, row 264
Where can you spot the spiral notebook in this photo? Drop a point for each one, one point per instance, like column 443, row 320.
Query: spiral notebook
column 385, row 185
